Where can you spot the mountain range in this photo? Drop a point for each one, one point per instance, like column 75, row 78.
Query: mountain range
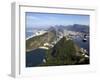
column 75, row 27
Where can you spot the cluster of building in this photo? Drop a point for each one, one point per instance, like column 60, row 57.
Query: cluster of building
column 84, row 52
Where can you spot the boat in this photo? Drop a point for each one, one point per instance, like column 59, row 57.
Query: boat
column 85, row 38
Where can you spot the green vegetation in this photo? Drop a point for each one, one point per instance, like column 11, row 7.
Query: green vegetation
column 65, row 52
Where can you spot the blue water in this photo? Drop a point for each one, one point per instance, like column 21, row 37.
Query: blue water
column 81, row 44
column 35, row 57
column 28, row 34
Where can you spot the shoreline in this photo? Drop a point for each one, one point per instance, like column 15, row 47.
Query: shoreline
column 37, row 48
column 34, row 35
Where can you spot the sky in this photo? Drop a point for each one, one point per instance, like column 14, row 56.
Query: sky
column 47, row 19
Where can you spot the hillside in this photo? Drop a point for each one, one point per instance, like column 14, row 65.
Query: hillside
column 38, row 41
column 65, row 52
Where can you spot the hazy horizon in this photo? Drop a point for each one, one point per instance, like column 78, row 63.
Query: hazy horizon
column 46, row 20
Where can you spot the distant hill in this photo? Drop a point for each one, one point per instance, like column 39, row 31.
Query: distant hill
column 38, row 41
column 75, row 27
column 79, row 28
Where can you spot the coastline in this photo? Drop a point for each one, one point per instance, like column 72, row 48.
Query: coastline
column 42, row 47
